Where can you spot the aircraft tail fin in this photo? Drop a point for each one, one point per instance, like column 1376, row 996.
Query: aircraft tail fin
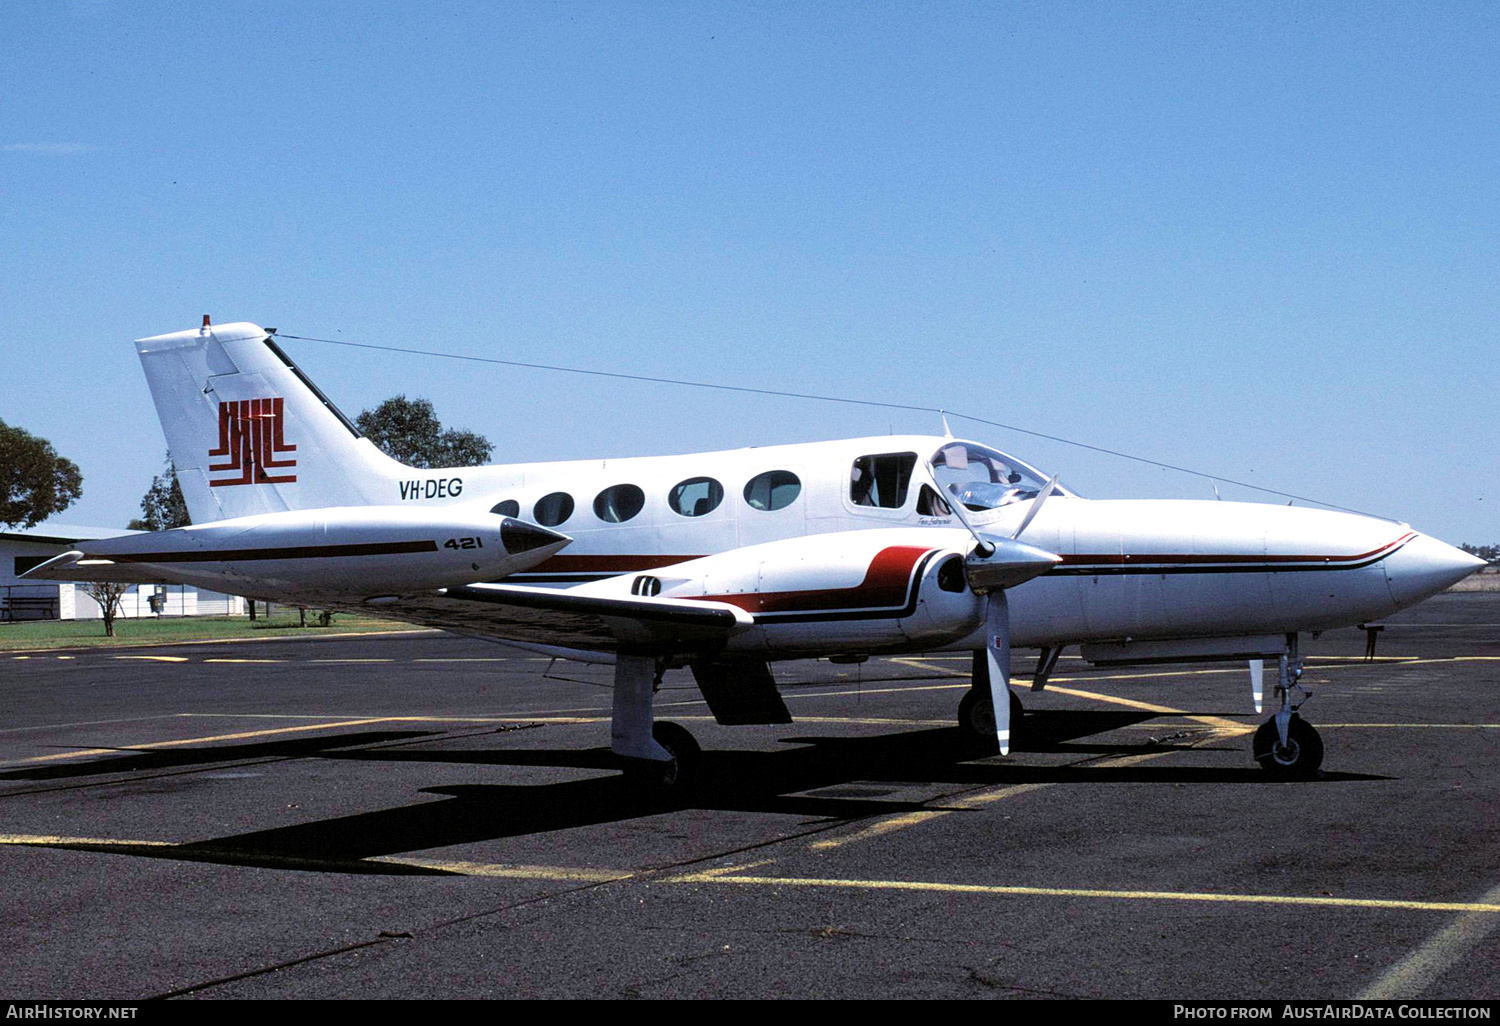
column 249, row 433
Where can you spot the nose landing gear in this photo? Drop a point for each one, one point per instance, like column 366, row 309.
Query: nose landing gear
column 1286, row 745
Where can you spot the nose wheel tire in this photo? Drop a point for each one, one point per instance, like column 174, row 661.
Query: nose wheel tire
column 1298, row 759
column 976, row 718
column 677, row 774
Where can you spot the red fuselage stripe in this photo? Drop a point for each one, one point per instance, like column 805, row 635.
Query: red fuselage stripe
column 1171, row 558
column 885, row 586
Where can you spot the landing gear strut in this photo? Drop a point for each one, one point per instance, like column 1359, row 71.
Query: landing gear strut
column 1286, row 745
column 656, row 756
column 976, row 712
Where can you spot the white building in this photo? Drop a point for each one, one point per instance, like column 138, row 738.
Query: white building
column 23, row 548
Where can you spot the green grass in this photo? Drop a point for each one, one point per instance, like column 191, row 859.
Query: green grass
column 151, row 631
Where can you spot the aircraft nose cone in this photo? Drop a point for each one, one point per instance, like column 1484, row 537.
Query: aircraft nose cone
column 1425, row 566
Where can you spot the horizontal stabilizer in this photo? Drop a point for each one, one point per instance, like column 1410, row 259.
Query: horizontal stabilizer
column 75, row 566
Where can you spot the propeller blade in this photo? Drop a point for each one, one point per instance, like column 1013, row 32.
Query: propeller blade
column 1036, row 505
column 1257, row 677
column 997, row 651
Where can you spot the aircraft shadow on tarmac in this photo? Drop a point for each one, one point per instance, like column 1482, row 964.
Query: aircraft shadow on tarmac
column 823, row 779
column 137, row 760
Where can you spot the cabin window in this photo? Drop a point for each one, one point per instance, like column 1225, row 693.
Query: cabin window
column 773, row 490
column 507, row 508
column 882, row 480
column 696, row 496
column 618, row 503
column 554, row 509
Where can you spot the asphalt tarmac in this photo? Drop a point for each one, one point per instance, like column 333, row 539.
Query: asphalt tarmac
column 427, row 816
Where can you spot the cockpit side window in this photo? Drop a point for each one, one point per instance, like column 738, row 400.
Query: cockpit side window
column 881, row 481
column 930, row 505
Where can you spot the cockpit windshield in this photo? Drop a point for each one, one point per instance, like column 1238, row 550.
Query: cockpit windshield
column 982, row 478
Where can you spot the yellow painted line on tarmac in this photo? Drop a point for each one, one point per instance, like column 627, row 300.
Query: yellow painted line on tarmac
column 725, row 870
column 983, row 798
column 558, row 874
column 978, row 800
column 155, row 659
column 734, row 875
column 1229, row 727
column 241, row 641
column 1000, row 890
column 401, row 719
column 467, row 659
column 871, row 721
column 245, row 660
column 151, row 745
column 93, row 843
column 1409, row 726
column 80, row 753
column 351, row 660
column 1413, row 974
column 878, row 829
column 921, row 663
column 1217, row 722
column 874, row 691
column 244, row 735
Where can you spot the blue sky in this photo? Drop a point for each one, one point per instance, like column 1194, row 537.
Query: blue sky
column 1257, row 239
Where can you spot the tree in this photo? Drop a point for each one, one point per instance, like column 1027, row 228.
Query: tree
column 108, row 595
column 163, row 503
column 408, row 430
column 37, row 481
column 1488, row 553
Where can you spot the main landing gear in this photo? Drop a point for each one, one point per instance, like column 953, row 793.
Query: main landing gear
column 675, row 774
column 1286, row 745
column 976, row 711
column 657, row 756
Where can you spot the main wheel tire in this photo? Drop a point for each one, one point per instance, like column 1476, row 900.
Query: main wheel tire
column 976, row 717
column 677, row 773
column 1298, row 759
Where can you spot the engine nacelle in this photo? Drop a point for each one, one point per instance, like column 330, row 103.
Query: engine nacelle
column 886, row 590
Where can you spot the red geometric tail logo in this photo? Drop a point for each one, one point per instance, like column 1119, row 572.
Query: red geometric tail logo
column 250, row 434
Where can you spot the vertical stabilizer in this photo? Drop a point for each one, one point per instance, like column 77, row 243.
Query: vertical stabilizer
column 249, row 433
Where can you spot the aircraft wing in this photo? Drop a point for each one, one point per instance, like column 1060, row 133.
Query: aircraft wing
column 566, row 618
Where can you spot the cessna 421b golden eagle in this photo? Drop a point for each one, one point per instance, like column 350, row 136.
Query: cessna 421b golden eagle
column 725, row 561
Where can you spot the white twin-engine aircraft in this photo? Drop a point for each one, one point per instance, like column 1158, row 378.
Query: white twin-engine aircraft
column 725, row 561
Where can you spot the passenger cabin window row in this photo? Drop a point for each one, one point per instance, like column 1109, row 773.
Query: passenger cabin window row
column 695, row 497
column 979, row 478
